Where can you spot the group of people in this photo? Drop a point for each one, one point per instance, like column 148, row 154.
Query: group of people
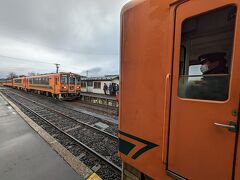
column 111, row 89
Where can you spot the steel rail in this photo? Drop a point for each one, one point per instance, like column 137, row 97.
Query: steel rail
column 54, row 110
column 66, row 106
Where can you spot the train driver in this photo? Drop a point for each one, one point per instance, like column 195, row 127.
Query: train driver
column 214, row 82
column 213, row 63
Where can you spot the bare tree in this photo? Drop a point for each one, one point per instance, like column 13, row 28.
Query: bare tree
column 12, row 75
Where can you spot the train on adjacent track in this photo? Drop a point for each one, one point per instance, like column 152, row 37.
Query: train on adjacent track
column 177, row 121
column 59, row 85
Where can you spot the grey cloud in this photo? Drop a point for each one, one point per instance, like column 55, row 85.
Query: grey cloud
column 82, row 32
column 93, row 71
column 75, row 25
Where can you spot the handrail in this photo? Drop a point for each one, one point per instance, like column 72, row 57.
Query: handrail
column 166, row 110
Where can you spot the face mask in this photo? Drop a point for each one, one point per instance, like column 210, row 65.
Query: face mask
column 204, row 68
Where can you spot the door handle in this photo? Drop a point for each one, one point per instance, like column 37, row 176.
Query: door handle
column 232, row 126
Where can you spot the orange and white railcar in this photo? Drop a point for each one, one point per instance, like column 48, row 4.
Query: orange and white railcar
column 20, row 83
column 60, row 85
column 8, row 83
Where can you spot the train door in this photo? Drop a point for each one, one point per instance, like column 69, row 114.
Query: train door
column 26, row 84
column 204, row 100
column 55, row 84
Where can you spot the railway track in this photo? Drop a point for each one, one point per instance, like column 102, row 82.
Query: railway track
column 57, row 105
column 103, row 109
column 95, row 147
column 73, row 107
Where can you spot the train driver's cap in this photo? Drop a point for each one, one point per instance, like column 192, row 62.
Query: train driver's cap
column 212, row 57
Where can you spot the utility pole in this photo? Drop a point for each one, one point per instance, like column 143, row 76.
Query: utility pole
column 57, row 67
column 87, row 73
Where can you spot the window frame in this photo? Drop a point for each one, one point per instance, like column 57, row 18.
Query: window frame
column 97, row 85
column 229, row 61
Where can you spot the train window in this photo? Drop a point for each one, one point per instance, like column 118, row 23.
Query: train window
column 64, row 79
column 72, row 80
column 78, row 79
column 206, row 52
column 18, row 81
column 45, row 81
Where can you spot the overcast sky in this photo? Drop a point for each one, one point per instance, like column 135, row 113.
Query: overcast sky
column 78, row 34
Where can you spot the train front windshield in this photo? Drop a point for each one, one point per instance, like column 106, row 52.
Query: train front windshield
column 78, row 79
column 64, row 79
column 72, row 80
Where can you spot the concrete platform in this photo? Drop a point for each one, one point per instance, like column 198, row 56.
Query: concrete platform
column 103, row 96
column 24, row 155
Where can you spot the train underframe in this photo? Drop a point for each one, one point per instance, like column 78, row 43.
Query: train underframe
column 60, row 96
column 131, row 173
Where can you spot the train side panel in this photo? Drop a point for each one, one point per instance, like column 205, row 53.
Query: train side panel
column 44, row 83
column 145, row 32
column 19, row 83
column 8, row 83
column 164, row 133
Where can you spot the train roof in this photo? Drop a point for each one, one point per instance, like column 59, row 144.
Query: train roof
column 102, row 78
column 133, row 3
column 39, row 75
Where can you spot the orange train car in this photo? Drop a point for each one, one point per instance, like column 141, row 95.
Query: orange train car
column 60, row 85
column 179, row 115
column 20, row 83
column 8, row 83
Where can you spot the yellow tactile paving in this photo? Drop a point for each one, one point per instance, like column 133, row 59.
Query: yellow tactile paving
column 94, row 176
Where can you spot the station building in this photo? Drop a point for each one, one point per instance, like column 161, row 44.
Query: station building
column 95, row 84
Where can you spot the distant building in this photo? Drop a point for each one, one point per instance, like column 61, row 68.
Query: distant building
column 95, row 84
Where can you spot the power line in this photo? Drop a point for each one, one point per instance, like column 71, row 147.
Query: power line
column 21, row 59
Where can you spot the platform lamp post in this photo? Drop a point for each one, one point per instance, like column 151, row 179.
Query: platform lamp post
column 57, row 67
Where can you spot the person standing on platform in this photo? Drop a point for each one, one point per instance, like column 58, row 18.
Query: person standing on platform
column 105, row 88
column 115, row 89
column 110, row 88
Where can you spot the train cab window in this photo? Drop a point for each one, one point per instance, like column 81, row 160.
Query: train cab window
column 78, row 79
column 72, row 80
column 206, row 53
column 64, row 80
